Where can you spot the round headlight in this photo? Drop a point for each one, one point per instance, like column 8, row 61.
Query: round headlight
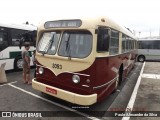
column 76, row 79
column 41, row 70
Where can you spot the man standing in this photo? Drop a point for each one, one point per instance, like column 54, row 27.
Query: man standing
column 26, row 64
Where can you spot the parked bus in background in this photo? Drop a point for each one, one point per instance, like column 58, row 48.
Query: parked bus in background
column 82, row 60
column 12, row 37
column 148, row 49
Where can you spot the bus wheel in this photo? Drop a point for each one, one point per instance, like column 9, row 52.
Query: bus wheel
column 141, row 58
column 18, row 63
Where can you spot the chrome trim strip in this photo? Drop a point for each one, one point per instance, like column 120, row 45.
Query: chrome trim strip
column 97, row 87
column 76, row 73
column 85, row 85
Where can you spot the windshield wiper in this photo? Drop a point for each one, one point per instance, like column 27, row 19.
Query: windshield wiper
column 48, row 45
column 68, row 49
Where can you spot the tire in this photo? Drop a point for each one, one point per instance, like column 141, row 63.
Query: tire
column 141, row 58
column 18, row 62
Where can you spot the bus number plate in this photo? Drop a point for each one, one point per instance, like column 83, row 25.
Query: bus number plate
column 57, row 66
column 50, row 90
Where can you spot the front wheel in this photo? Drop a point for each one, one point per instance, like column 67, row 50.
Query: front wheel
column 141, row 58
column 18, row 63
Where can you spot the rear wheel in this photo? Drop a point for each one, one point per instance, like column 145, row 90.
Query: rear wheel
column 18, row 63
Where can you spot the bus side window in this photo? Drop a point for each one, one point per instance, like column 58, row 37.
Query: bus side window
column 103, row 39
column 114, row 43
column 3, row 40
column 18, row 34
column 123, row 43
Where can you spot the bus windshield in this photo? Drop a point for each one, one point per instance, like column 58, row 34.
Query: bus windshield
column 75, row 44
column 48, row 43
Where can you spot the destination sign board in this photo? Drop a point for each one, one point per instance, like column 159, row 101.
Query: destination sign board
column 63, row 24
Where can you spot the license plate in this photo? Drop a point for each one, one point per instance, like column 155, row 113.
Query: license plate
column 50, row 90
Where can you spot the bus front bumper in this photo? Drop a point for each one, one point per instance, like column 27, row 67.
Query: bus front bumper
column 65, row 95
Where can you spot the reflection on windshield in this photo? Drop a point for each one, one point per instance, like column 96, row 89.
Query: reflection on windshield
column 48, row 43
column 76, row 44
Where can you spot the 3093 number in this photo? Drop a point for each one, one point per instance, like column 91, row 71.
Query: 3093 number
column 57, row 66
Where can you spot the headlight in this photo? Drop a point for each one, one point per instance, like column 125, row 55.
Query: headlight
column 76, row 79
column 41, row 70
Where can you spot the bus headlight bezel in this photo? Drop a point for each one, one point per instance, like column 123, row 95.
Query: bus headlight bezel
column 76, row 79
column 41, row 70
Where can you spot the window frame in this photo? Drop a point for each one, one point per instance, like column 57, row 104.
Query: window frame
column 57, row 47
column 101, row 50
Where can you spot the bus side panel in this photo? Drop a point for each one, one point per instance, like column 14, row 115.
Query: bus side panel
column 107, row 70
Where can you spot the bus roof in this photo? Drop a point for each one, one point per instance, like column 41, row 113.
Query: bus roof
column 16, row 26
column 98, row 21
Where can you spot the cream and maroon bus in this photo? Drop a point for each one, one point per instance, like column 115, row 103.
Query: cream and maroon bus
column 82, row 61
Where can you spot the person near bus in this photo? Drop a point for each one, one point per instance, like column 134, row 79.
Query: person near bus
column 26, row 64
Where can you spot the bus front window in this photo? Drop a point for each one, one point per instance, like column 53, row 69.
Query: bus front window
column 75, row 44
column 48, row 43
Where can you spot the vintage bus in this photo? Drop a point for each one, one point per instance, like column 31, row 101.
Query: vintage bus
column 83, row 60
column 11, row 38
column 148, row 49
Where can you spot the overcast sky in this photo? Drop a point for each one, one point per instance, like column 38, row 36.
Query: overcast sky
column 143, row 16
